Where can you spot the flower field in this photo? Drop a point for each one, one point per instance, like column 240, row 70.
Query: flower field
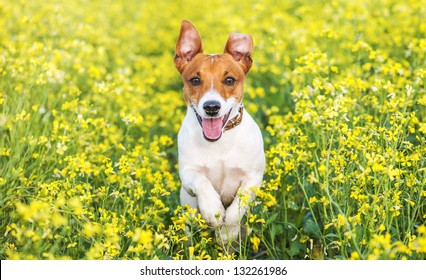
column 91, row 104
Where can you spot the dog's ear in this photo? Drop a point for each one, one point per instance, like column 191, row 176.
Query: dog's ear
column 187, row 46
column 240, row 46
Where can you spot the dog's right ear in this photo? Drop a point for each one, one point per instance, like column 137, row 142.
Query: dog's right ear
column 187, row 46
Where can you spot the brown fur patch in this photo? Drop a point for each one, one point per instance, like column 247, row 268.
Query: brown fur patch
column 213, row 70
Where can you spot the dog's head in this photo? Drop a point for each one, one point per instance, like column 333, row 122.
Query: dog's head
column 213, row 84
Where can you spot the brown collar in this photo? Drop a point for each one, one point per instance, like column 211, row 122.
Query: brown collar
column 235, row 120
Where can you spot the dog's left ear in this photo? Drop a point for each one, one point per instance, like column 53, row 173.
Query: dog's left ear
column 240, row 46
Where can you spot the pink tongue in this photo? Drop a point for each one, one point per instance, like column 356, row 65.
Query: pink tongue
column 212, row 128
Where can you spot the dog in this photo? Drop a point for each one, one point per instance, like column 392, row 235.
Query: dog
column 221, row 153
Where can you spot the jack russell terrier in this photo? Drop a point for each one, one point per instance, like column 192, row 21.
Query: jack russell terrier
column 220, row 146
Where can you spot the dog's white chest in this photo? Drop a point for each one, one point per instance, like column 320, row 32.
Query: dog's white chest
column 226, row 164
column 226, row 177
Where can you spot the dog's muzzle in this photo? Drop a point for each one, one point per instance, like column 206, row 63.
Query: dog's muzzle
column 213, row 128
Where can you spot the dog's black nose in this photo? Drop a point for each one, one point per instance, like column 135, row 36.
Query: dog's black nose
column 211, row 108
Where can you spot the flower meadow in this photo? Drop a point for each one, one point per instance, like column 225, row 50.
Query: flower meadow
column 91, row 104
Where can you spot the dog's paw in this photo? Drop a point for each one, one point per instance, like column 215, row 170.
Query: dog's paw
column 227, row 234
column 212, row 211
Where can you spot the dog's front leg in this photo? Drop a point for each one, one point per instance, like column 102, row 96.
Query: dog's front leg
column 229, row 231
column 208, row 200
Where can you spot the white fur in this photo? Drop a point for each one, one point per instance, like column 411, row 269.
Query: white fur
column 213, row 95
column 212, row 173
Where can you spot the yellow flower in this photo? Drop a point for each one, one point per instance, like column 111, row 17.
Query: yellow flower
column 341, row 220
column 255, row 241
column 422, row 229
column 354, row 256
column 75, row 205
column 191, row 252
column 143, row 237
column 420, row 241
column 5, row 152
column 89, row 230
column 313, row 199
column 377, row 167
column 222, row 256
column 252, row 218
column 322, row 169
column 59, row 220
column 72, row 245
column 61, row 148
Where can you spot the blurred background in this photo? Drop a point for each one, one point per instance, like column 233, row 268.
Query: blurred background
column 91, row 104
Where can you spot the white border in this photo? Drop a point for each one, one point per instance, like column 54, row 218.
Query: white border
column 129, row 270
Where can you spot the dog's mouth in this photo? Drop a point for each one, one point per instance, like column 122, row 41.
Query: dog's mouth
column 212, row 127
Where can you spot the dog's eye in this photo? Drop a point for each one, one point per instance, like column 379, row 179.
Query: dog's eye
column 195, row 81
column 229, row 81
